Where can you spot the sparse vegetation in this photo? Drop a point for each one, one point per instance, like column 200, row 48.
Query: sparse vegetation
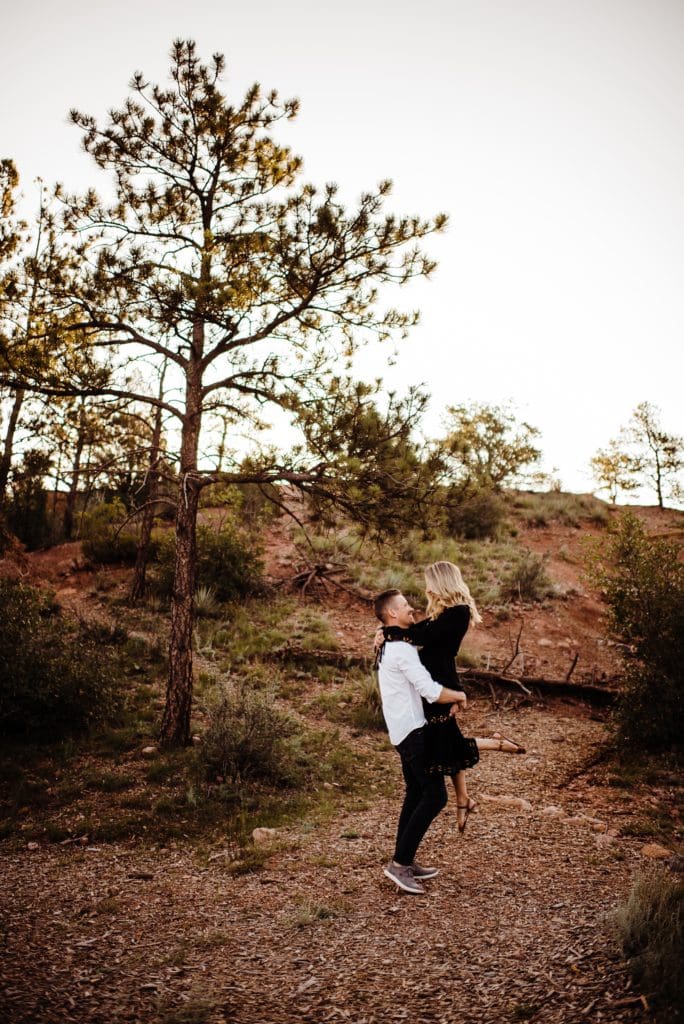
column 649, row 926
column 228, row 562
column 249, row 738
column 526, row 580
column 55, row 678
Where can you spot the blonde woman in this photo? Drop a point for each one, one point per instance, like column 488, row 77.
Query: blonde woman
column 450, row 611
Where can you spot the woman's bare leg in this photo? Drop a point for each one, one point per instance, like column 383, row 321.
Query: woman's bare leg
column 463, row 801
column 499, row 742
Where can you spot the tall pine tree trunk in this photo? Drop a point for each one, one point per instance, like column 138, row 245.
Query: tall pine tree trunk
column 6, row 460
column 175, row 729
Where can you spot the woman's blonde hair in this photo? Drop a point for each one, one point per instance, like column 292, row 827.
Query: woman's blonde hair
column 445, row 588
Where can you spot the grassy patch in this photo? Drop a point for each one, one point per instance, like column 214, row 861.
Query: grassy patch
column 109, row 782
column 309, row 913
column 541, row 509
column 649, row 926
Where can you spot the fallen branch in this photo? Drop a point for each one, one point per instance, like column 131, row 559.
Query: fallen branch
column 324, row 573
column 600, row 695
column 552, row 687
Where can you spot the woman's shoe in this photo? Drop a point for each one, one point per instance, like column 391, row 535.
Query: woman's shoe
column 519, row 749
column 469, row 808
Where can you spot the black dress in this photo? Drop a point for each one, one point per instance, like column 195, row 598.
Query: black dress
column 439, row 639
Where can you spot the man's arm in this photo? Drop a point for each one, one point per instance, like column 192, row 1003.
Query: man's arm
column 419, row 677
column 448, row 696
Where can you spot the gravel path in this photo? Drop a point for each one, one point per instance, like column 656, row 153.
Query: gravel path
column 511, row 930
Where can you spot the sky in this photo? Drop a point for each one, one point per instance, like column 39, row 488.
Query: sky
column 550, row 131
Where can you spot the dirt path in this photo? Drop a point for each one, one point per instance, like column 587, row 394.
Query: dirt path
column 511, row 929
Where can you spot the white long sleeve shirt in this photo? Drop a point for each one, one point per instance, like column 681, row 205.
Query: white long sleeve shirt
column 403, row 681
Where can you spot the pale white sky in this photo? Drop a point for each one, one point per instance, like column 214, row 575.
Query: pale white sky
column 551, row 131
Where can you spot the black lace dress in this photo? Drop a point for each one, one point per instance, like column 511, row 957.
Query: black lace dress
column 439, row 640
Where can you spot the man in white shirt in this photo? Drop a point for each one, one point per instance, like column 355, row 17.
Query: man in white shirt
column 403, row 681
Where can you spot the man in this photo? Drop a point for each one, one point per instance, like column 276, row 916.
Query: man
column 403, row 681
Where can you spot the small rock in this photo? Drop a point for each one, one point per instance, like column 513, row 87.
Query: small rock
column 342, row 704
column 149, row 751
column 327, row 785
column 552, row 811
column 544, row 642
column 32, row 846
column 652, row 850
column 196, row 740
column 599, row 826
column 518, row 802
column 264, row 835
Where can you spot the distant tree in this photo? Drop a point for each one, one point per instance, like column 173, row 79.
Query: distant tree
column 487, row 447
column 615, row 470
column 27, row 511
column 661, row 455
column 255, row 291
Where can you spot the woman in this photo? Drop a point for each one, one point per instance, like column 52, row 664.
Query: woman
column 450, row 610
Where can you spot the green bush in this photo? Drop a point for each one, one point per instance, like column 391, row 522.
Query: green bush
column 650, row 929
column 54, row 679
column 103, row 540
column 474, row 516
column 248, row 738
column 526, row 580
column 227, row 562
column 642, row 580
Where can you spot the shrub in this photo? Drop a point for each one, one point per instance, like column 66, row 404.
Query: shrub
column 103, row 540
column 526, row 580
column 248, row 738
column 368, row 711
column 474, row 516
column 642, row 580
column 54, row 679
column 650, row 929
column 205, row 602
column 227, row 562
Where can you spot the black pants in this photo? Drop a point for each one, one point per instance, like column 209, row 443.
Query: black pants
column 425, row 797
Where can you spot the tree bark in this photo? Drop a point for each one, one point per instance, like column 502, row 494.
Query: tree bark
column 6, row 461
column 175, row 729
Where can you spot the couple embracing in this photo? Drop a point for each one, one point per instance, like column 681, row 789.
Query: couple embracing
column 421, row 696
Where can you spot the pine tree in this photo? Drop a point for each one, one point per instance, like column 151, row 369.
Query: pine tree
column 253, row 287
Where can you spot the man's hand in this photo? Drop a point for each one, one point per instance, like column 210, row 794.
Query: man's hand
column 461, row 704
column 378, row 639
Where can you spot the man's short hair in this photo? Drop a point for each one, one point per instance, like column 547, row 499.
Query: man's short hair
column 382, row 601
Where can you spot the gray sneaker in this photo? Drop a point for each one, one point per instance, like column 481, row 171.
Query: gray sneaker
column 423, row 873
column 404, row 878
